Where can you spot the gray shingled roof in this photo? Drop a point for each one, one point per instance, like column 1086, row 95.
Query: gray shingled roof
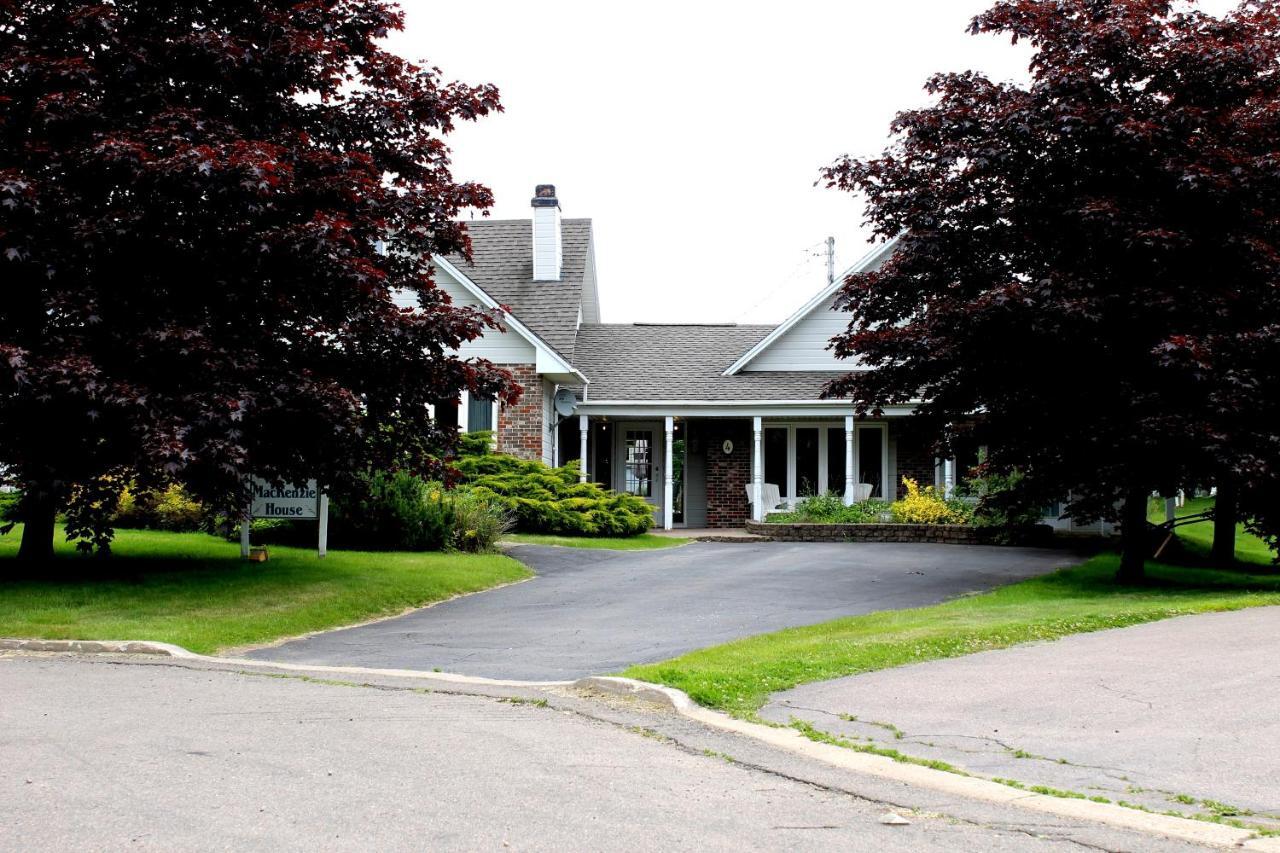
column 683, row 362
column 502, row 252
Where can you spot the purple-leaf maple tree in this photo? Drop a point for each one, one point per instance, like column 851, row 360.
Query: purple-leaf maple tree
column 1086, row 275
column 205, row 211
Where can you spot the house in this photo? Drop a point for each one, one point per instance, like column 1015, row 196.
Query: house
column 694, row 418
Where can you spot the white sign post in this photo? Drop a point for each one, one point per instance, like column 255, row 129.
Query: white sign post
column 299, row 503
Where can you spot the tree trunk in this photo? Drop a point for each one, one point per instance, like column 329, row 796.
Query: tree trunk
column 1134, row 542
column 39, row 512
column 1225, row 510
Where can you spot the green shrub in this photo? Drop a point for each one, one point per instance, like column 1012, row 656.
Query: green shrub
column 542, row 499
column 397, row 511
column 830, row 509
column 9, row 504
column 171, row 509
column 920, row 506
column 1003, row 506
column 392, row 511
column 479, row 520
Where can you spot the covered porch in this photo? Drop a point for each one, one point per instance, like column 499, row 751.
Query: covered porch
column 718, row 469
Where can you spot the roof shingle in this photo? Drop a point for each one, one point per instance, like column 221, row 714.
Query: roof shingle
column 502, row 265
column 683, row 362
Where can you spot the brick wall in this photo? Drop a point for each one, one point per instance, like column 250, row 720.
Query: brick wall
column 727, row 475
column 914, row 461
column 947, row 534
column 520, row 426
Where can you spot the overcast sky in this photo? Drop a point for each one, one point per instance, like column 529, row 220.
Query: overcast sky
column 692, row 132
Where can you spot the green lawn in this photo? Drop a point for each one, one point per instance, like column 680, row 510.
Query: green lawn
column 738, row 677
column 1199, row 537
column 643, row 542
column 194, row 590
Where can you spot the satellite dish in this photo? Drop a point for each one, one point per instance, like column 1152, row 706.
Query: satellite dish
column 565, row 402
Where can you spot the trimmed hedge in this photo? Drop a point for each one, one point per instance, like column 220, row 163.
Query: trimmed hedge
column 542, row 499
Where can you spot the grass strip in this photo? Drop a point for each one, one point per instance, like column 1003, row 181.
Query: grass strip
column 738, row 677
column 193, row 589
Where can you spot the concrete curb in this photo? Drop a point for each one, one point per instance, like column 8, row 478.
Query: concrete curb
column 96, row 647
column 1183, row 829
column 644, row 691
column 142, row 647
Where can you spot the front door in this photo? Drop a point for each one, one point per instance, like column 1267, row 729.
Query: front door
column 639, row 451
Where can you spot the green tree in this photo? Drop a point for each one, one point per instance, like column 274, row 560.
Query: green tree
column 205, row 210
column 1088, row 262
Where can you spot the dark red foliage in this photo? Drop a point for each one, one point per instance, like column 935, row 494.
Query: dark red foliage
column 190, row 198
column 1089, row 262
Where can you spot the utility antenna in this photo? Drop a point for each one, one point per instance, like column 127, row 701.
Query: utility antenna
column 831, row 260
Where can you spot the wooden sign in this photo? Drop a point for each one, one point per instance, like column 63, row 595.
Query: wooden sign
column 288, row 501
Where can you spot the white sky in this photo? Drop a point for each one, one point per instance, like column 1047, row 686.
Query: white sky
column 692, row 132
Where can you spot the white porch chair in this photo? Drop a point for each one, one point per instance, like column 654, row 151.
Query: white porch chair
column 861, row 492
column 770, row 496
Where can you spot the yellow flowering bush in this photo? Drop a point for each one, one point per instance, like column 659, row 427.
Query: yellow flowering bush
column 171, row 509
column 926, row 506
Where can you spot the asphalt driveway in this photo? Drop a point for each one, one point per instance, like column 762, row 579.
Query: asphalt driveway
column 590, row 612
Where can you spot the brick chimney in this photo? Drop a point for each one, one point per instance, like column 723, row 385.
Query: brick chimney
column 547, row 249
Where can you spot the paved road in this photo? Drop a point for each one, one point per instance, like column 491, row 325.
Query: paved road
column 100, row 755
column 591, row 612
column 1185, row 706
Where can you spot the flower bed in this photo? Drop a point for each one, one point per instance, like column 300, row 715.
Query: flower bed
column 952, row 534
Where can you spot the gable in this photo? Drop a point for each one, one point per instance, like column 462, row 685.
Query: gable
column 800, row 342
column 499, row 347
column 501, row 265
column 804, row 345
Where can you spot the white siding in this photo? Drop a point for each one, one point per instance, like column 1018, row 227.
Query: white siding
column 548, row 249
column 804, row 345
column 499, row 347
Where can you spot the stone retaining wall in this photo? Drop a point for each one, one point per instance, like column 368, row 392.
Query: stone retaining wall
column 950, row 534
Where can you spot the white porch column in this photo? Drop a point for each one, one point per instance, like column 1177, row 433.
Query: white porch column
column 668, row 487
column 948, row 477
column 848, row 460
column 583, row 430
column 757, row 470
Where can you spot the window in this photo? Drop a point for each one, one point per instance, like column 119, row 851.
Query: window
column 479, row 414
column 871, row 459
column 835, row 461
column 638, row 467
column 807, row 472
column 775, row 458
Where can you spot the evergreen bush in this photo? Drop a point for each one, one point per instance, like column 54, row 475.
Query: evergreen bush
column 542, row 499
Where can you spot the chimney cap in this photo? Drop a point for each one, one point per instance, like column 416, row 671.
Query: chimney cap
column 544, row 195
